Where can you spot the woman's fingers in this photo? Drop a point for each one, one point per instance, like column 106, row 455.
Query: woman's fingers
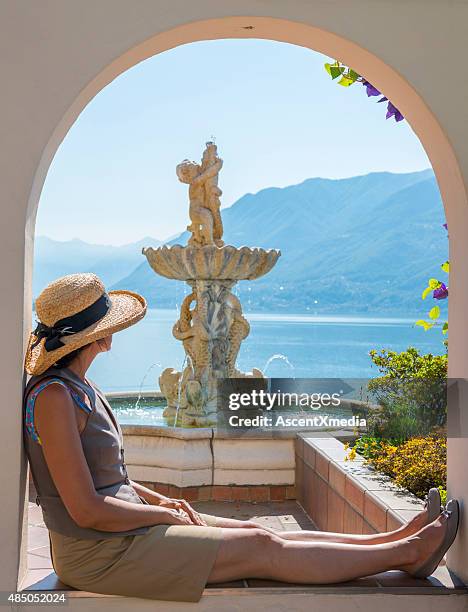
column 197, row 519
column 179, row 517
column 170, row 503
column 181, row 505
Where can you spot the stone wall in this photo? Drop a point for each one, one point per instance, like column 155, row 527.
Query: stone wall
column 347, row 496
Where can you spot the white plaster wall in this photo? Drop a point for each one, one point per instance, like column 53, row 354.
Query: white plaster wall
column 56, row 55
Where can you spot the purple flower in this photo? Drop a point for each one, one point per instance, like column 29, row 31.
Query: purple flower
column 392, row 111
column 382, row 99
column 441, row 293
column 445, row 225
column 370, row 89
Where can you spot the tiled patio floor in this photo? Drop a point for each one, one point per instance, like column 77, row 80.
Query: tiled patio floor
column 278, row 515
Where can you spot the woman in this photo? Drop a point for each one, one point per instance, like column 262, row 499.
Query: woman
column 111, row 535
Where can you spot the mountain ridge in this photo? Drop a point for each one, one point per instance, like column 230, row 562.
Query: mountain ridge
column 365, row 223
column 351, row 245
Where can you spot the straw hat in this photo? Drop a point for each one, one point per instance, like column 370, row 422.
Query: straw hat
column 76, row 310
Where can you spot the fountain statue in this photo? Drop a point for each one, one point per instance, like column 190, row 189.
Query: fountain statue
column 211, row 325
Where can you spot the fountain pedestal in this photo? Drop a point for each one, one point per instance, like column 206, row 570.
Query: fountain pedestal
column 211, row 325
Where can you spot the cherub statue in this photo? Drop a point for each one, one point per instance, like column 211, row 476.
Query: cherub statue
column 206, row 225
column 213, row 192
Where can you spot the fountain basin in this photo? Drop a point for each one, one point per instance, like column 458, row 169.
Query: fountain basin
column 211, row 262
column 201, row 457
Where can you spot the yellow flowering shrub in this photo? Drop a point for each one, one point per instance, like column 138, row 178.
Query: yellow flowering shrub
column 417, row 465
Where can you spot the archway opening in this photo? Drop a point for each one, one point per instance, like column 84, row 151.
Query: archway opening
column 424, row 124
column 291, row 141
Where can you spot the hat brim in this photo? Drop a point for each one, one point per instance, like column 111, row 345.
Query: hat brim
column 127, row 308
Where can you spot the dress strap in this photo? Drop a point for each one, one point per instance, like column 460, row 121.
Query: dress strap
column 29, row 413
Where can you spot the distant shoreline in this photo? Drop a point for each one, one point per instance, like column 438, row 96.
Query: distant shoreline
column 316, row 318
column 320, row 319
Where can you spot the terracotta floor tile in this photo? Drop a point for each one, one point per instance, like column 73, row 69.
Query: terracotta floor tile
column 268, row 513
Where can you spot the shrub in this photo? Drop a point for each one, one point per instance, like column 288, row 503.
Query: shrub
column 416, row 465
column 368, row 446
column 411, row 394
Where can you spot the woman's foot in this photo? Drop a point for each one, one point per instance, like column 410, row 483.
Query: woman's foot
column 426, row 543
column 432, row 509
column 415, row 524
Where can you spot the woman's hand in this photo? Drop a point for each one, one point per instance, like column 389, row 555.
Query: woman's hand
column 185, row 507
column 172, row 516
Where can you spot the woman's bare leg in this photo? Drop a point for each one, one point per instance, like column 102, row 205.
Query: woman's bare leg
column 256, row 553
column 412, row 527
column 405, row 531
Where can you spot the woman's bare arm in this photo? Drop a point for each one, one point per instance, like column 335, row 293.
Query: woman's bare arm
column 152, row 497
column 168, row 502
column 56, row 424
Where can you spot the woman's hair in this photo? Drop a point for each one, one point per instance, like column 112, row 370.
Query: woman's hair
column 66, row 360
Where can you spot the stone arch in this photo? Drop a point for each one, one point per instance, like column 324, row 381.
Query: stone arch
column 376, row 69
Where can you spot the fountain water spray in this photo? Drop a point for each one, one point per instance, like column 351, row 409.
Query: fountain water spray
column 143, row 382
column 179, row 391
column 279, row 357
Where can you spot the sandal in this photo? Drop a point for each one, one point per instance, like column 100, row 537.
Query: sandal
column 452, row 512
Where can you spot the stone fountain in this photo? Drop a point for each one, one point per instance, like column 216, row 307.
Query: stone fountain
column 211, row 325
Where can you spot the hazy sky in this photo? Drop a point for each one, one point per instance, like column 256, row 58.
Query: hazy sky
column 276, row 115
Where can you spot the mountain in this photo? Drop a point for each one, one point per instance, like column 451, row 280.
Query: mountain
column 365, row 244
column 53, row 258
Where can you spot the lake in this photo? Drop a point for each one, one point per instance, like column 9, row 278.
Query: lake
column 315, row 346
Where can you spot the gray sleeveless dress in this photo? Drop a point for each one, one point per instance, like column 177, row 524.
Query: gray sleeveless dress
column 168, row 562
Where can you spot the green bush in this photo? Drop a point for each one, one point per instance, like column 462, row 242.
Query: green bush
column 410, row 394
column 417, row 464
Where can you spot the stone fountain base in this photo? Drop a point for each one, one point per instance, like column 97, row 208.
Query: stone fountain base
column 204, row 457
